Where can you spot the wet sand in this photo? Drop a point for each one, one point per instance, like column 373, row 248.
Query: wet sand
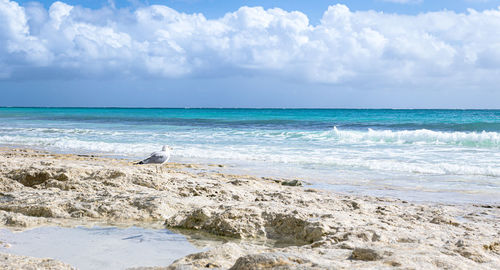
column 265, row 223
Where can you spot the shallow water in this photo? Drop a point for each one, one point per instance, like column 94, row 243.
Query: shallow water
column 431, row 152
column 99, row 247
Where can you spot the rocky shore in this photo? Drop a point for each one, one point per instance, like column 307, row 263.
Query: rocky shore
column 265, row 223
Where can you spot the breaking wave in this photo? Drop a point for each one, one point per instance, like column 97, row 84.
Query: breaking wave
column 422, row 136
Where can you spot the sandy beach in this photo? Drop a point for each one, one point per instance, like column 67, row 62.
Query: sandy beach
column 262, row 223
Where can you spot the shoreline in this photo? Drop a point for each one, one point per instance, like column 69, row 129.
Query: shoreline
column 321, row 228
column 457, row 197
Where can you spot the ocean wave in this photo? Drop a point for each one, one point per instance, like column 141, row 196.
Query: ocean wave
column 73, row 145
column 422, row 136
column 332, row 137
column 370, row 159
column 328, row 138
column 40, row 131
column 337, row 136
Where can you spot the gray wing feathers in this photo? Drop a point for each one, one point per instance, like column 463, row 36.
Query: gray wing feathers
column 156, row 157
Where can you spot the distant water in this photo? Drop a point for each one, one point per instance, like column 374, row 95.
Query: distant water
column 99, row 247
column 450, row 155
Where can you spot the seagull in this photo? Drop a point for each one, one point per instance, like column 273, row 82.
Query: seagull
column 159, row 157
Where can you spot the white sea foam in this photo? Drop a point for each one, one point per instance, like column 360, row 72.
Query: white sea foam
column 78, row 145
column 370, row 136
column 422, row 136
column 373, row 151
column 389, row 162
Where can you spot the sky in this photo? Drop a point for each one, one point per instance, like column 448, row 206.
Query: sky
column 274, row 53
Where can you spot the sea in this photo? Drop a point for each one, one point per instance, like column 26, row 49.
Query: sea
column 415, row 155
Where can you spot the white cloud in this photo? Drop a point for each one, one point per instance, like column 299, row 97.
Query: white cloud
column 346, row 47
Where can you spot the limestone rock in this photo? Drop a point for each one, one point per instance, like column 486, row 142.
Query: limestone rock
column 365, row 254
column 15, row 262
column 222, row 257
column 276, row 260
column 256, row 215
column 292, row 183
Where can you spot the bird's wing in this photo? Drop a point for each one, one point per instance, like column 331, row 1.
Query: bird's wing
column 156, row 157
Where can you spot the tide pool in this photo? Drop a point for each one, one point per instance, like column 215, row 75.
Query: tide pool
column 99, row 247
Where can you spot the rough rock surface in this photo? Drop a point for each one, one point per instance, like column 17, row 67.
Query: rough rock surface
column 14, row 262
column 365, row 254
column 265, row 224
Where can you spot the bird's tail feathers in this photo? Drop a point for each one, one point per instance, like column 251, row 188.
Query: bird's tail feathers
column 140, row 162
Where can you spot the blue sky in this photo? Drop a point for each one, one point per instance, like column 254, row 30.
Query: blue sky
column 207, row 53
column 313, row 9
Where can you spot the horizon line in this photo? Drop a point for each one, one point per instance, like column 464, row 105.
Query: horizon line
column 251, row 108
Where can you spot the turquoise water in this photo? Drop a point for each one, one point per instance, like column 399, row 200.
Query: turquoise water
column 414, row 154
